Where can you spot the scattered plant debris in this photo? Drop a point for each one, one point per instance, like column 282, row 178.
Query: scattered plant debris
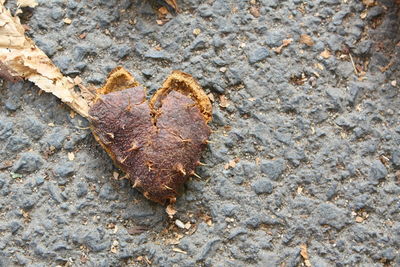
column 157, row 143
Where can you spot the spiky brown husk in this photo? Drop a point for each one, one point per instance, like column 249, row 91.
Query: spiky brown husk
column 158, row 144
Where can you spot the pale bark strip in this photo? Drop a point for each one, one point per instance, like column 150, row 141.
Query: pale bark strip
column 23, row 58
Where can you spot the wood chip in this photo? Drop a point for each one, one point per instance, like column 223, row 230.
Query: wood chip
column 67, row 21
column 325, row 54
column 223, row 101
column 359, row 219
column 83, row 35
column 179, row 250
column 306, row 39
column 299, row 190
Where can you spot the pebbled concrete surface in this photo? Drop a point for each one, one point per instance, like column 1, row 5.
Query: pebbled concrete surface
column 305, row 152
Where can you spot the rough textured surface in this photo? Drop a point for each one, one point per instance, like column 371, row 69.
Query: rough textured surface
column 158, row 149
column 312, row 149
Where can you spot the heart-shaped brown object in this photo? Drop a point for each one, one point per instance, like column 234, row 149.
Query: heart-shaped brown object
column 158, row 143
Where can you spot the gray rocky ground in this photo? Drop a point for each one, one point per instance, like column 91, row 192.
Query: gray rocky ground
column 306, row 151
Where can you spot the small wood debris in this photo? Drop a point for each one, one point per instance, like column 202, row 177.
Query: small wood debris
column 325, row 54
column 179, row 250
column 231, row 164
column 306, row 39
column 385, row 68
column 67, row 21
column 171, row 211
column 359, row 219
column 304, row 254
column 385, row 160
column 299, row 190
column 72, row 114
column 83, row 35
column 223, row 101
column 285, row 43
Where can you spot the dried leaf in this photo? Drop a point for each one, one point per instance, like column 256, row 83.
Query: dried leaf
column 21, row 58
column 306, row 39
column 27, row 3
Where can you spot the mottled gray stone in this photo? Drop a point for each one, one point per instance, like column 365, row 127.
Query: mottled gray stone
column 28, row 162
column 262, row 186
column 329, row 214
column 378, row 171
column 273, row 168
column 257, row 54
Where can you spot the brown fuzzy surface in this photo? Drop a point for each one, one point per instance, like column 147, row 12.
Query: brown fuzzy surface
column 157, row 148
